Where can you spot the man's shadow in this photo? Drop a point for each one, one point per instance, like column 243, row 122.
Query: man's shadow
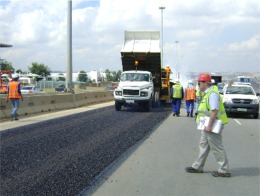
column 251, row 171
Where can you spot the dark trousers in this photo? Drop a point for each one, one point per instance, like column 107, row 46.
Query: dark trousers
column 190, row 106
column 176, row 105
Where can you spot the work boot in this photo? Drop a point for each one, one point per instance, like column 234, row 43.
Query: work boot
column 218, row 174
column 193, row 170
column 188, row 114
column 174, row 114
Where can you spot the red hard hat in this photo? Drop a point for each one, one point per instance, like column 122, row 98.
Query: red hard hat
column 204, row 77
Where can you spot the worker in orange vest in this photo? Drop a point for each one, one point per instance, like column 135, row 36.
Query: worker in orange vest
column 190, row 97
column 14, row 94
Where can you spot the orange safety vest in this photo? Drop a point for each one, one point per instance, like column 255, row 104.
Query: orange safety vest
column 13, row 90
column 190, row 94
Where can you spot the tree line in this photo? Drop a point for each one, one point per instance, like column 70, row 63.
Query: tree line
column 44, row 71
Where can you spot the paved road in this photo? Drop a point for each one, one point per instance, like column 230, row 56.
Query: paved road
column 156, row 166
column 61, row 156
column 36, row 118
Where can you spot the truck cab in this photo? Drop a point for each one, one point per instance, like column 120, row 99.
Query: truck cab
column 134, row 88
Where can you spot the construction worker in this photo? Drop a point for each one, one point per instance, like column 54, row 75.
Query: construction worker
column 176, row 95
column 14, row 94
column 199, row 96
column 213, row 82
column 211, row 106
column 168, row 69
column 190, row 97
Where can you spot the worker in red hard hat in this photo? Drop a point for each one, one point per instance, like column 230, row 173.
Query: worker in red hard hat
column 211, row 106
column 200, row 93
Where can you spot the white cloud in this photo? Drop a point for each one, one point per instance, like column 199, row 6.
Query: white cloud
column 213, row 32
column 247, row 45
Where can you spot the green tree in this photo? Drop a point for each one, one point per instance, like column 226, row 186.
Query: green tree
column 109, row 77
column 19, row 71
column 83, row 77
column 40, row 69
column 113, row 76
column 116, row 75
column 5, row 65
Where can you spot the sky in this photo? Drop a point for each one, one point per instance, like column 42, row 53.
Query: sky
column 198, row 35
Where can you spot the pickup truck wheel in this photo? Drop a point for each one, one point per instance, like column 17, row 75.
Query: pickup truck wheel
column 117, row 106
column 148, row 105
column 256, row 115
column 156, row 99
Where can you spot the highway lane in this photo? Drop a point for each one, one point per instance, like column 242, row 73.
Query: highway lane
column 63, row 155
column 64, row 159
column 156, row 166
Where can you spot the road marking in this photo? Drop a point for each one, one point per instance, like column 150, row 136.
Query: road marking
column 238, row 122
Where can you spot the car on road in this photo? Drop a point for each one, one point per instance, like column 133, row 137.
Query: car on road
column 241, row 99
column 61, row 88
column 110, row 88
column 30, row 90
column 220, row 87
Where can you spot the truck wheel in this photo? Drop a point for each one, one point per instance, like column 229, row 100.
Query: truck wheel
column 156, row 99
column 256, row 115
column 117, row 106
column 148, row 105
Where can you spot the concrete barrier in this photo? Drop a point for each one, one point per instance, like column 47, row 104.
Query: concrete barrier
column 39, row 103
column 5, row 108
column 42, row 103
column 26, row 106
column 63, row 101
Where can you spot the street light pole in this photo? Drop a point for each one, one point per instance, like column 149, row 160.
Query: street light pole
column 69, row 48
column 162, row 8
column 177, row 56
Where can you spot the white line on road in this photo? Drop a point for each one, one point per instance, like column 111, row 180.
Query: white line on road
column 238, row 122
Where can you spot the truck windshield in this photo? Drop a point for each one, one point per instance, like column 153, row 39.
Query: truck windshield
column 243, row 79
column 240, row 90
column 134, row 77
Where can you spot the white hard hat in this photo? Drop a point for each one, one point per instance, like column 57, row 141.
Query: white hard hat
column 190, row 82
column 15, row 76
column 212, row 81
column 177, row 81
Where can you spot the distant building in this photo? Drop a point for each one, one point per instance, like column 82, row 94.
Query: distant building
column 94, row 75
column 61, row 76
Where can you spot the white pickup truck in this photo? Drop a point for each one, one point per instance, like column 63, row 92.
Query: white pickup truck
column 241, row 99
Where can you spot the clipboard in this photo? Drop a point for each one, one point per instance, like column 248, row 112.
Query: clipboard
column 204, row 121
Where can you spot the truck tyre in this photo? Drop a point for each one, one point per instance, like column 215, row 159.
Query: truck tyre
column 156, row 99
column 148, row 105
column 117, row 106
column 256, row 115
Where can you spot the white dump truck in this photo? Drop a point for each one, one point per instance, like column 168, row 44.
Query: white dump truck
column 141, row 80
